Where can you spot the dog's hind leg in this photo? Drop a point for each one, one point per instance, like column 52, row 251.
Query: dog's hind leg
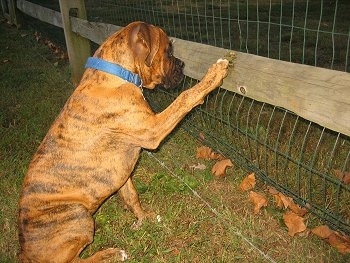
column 131, row 198
column 62, row 237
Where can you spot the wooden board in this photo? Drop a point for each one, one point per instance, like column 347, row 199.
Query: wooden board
column 316, row 94
column 96, row 32
column 78, row 47
column 42, row 13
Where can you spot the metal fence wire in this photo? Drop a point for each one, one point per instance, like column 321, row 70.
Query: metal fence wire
column 296, row 156
column 313, row 32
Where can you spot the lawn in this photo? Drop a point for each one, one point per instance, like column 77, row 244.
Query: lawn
column 204, row 219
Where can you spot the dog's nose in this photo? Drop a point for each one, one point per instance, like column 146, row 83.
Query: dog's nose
column 180, row 63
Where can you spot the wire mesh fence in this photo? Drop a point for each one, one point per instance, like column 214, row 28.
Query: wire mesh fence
column 296, row 156
column 313, row 32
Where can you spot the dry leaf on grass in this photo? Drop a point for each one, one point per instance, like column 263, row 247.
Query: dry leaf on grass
column 279, row 202
column 322, row 231
column 275, row 194
column 339, row 242
column 272, row 190
column 300, row 211
column 336, row 240
column 294, row 223
column 287, row 202
column 248, row 183
column 259, row 201
column 201, row 136
column 198, row 166
column 343, row 176
column 205, row 152
column 219, row 169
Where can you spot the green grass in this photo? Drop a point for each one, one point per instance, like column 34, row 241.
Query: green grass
column 33, row 91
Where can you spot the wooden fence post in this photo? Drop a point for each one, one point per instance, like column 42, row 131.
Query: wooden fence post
column 9, row 11
column 78, row 47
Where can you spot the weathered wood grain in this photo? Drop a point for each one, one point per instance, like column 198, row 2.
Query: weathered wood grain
column 316, row 94
column 42, row 13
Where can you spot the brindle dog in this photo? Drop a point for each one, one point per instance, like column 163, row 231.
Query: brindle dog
column 92, row 147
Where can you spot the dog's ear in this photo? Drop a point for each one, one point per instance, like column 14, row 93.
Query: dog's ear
column 145, row 42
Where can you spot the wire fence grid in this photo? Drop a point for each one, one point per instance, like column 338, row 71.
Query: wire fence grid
column 313, row 32
column 296, row 156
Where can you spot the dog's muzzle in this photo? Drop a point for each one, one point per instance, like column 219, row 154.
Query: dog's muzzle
column 175, row 74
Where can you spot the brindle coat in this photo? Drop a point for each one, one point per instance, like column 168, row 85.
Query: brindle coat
column 92, row 147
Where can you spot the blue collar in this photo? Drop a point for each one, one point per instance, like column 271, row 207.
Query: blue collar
column 114, row 69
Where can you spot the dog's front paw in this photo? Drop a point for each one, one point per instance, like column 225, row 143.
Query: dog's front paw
column 222, row 67
column 223, row 60
column 216, row 73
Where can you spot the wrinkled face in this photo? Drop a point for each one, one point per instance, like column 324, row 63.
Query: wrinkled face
column 154, row 60
column 145, row 50
column 172, row 67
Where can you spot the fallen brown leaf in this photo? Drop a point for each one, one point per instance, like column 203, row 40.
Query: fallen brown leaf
column 343, row 176
column 300, row 211
column 339, row 242
column 204, row 152
column 198, row 166
column 275, row 194
column 278, row 201
column 37, row 36
column 322, row 231
column 272, row 190
column 294, row 223
column 287, row 201
column 219, row 169
column 248, row 183
column 259, row 201
column 335, row 239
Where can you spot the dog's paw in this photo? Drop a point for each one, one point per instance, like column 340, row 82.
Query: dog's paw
column 223, row 64
column 108, row 255
column 119, row 254
column 223, row 60
column 123, row 255
column 216, row 73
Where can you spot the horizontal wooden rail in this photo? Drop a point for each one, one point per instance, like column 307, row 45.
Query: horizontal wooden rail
column 316, row 94
column 39, row 12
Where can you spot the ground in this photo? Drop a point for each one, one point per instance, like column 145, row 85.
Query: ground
column 204, row 219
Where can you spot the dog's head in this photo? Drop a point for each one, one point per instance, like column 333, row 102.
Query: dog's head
column 145, row 50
